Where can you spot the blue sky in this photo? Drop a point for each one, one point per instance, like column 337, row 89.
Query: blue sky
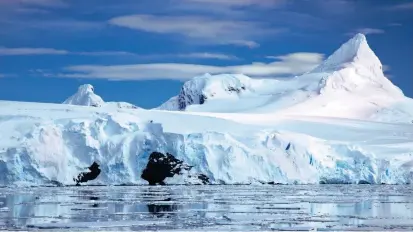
column 140, row 51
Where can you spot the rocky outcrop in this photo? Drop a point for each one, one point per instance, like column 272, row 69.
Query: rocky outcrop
column 87, row 176
column 161, row 166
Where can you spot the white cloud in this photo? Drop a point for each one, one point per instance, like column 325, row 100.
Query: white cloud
column 206, row 55
column 290, row 64
column 366, row 31
column 201, row 29
column 30, row 51
column 40, row 3
column 50, row 51
column 104, row 53
column 243, row 43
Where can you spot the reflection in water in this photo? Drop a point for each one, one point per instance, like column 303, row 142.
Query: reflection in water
column 336, row 207
column 159, row 208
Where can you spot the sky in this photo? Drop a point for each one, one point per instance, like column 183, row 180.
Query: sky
column 141, row 51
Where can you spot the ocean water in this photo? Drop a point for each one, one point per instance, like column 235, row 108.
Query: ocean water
column 208, row 208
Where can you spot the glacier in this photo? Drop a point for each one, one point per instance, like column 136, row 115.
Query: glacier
column 342, row 122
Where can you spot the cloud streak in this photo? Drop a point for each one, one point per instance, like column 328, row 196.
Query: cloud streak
column 38, row 3
column 403, row 6
column 201, row 28
column 289, row 64
column 51, row 51
column 31, row 51
column 366, row 31
column 206, row 55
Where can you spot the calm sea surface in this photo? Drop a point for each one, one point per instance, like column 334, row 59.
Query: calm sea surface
column 209, row 208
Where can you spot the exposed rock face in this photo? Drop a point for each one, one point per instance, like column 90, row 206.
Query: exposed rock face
column 86, row 176
column 199, row 89
column 161, row 166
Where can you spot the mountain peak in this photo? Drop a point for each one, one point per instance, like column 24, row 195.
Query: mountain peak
column 85, row 96
column 201, row 88
column 86, row 88
column 357, row 52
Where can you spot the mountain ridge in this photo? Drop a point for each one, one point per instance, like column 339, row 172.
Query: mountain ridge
column 350, row 83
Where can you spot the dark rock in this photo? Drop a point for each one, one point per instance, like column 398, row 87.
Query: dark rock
column 56, row 183
column 202, row 99
column 204, row 179
column 161, row 166
column 86, row 176
column 273, row 183
column 232, row 89
column 288, row 147
column 333, row 181
column 363, row 182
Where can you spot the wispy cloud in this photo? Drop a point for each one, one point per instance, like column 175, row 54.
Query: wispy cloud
column 336, row 7
column 238, row 3
column 31, row 11
column 232, row 8
column 206, row 55
column 394, row 24
column 10, row 7
column 104, row 53
column 30, row 51
column 203, row 29
column 289, row 64
column 4, row 51
column 51, row 51
column 366, row 31
column 38, row 3
column 243, row 43
column 45, row 3
column 403, row 6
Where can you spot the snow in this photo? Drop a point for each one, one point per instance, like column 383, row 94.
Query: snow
column 343, row 122
column 85, row 96
column 349, row 84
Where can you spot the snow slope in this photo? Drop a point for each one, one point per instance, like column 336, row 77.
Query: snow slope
column 348, row 84
column 85, row 96
column 343, row 122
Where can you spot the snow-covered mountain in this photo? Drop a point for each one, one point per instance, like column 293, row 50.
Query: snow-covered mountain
column 343, row 122
column 85, row 96
column 348, row 84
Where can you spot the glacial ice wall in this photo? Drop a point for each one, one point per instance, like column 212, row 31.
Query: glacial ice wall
column 38, row 150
